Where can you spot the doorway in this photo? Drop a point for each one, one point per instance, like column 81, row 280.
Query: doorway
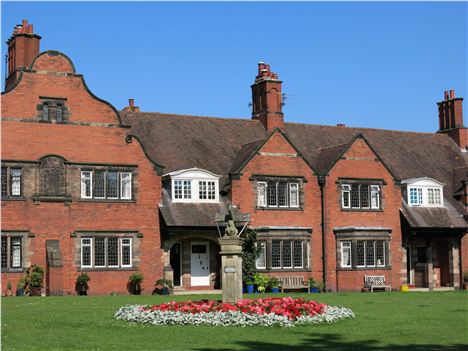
column 176, row 263
column 200, row 264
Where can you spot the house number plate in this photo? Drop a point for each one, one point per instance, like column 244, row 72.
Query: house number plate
column 229, row 269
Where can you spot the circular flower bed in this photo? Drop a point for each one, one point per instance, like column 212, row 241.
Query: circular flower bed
column 268, row 311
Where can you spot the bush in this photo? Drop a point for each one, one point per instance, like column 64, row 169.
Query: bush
column 274, row 282
column 83, row 279
column 167, row 283
column 34, row 277
column 261, row 280
column 135, row 278
column 465, row 277
column 250, row 252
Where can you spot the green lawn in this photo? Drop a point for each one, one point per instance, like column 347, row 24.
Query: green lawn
column 384, row 321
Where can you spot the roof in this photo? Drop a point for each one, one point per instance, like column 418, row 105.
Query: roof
column 433, row 217
column 224, row 145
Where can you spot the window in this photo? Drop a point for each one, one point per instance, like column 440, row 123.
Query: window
column 277, row 194
column 287, row 254
column 53, row 109
column 12, row 252
column 370, row 253
column 103, row 184
column 11, row 182
column 206, row 190
column 260, row 263
column 360, row 196
column 191, row 190
column 182, row 189
column 433, row 196
column 106, row 252
column 346, row 254
column 416, row 198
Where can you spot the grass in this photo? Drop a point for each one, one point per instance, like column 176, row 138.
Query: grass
column 384, row 321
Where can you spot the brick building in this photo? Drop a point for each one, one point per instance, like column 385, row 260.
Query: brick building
column 88, row 188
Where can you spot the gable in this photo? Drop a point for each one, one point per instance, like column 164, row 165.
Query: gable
column 51, row 80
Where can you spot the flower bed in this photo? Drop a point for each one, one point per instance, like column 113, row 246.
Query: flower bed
column 269, row 311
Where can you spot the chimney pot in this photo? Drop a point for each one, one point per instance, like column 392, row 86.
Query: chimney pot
column 131, row 103
column 452, row 94
column 25, row 23
column 341, row 125
column 446, row 95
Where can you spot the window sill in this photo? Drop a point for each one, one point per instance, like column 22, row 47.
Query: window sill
column 344, row 269
column 13, row 270
column 108, row 200
column 110, row 269
column 13, row 198
column 65, row 199
column 279, row 208
column 275, row 270
column 361, row 210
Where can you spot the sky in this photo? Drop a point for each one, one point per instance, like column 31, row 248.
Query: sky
column 364, row 64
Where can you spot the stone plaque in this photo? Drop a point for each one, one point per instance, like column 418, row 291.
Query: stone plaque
column 230, row 269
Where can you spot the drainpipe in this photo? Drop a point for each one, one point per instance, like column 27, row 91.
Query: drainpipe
column 321, row 182
column 460, row 262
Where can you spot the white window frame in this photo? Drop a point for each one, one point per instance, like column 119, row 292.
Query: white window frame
column 425, row 186
column 302, row 254
column 375, row 190
column 121, row 252
column 91, row 258
column 196, row 177
column 349, row 246
column 262, row 198
column 118, row 184
column 420, row 196
column 262, row 245
column 346, row 188
column 15, row 181
column 83, row 184
column 121, row 176
column 294, row 189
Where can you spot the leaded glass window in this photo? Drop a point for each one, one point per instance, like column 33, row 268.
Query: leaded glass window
column 126, row 252
column 355, row 196
column 99, row 184
column 360, row 253
column 112, row 185
column 272, row 194
column 125, row 185
column 277, row 194
column 12, row 251
column 346, row 254
column 293, row 195
column 100, row 252
column 298, row 254
column 276, row 254
column 103, row 184
column 360, row 196
column 282, row 194
column 86, row 252
column 261, row 257
column 287, row 253
column 106, row 251
column 4, row 252
column 112, row 252
column 4, row 181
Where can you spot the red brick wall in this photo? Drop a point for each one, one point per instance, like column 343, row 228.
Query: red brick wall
column 244, row 195
column 361, row 162
column 29, row 141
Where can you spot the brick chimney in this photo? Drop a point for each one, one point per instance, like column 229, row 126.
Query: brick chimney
column 267, row 98
column 451, row 119
column 23, row 47
column 131, row 106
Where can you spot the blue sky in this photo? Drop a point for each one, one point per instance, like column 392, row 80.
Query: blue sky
column 378, row 65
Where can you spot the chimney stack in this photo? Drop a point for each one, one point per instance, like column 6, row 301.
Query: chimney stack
column 131, row 106
column 451, row 118
column 267, row 99
column 23, row 47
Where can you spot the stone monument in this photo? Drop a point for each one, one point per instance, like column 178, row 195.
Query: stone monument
column 231, row 259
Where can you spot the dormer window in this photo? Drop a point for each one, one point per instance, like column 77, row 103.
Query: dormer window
column 194, row 185
column 424, row 192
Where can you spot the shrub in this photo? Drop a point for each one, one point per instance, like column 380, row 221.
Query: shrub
column 135, row 278
column 274, row 282
column 465, row 277
column 83, row 279
column 261, row 280
column 250, row 252
column 34, row 277
column 167, row 283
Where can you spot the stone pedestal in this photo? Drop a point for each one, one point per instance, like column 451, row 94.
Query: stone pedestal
column 231, row 268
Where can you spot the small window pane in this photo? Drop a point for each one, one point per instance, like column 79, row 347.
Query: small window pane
column 360, row 253
column 202, row 188
column 370, row 253
column 4, row 252
column 126, row 252
column 187, row 189
column 15, row 182
column 125, row 185
column 346, row 200
column 261, row 258
column 99, row 184
column 364, row 196
column 380, row 253
column 112, row 188
column 177, row 189
column 211, row 191
column 112, row 252
column 416, row 196
column 346, row 254
column 355, row 201
column 86, row 252
column 298, row 254
column 282, row 194
column 261, row 194
column 4, row 181
column 287, row 253
column 86, row 181
column 272, row 195
column 99, row 252
column 15, row 252
column 375, row 196
column 276, row 254
column 294, row 195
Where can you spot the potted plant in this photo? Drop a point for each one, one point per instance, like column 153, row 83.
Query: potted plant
column 314, row 286
column 134, row 283
column 274, row 284
column 250, row 285
column 465, row 281
column 163, row 286
column 82, row 284
column 261, row 281
column 20, row 286
column 8, row 289
column 34, row 279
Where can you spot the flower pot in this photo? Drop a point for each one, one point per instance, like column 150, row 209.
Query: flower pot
column 250, row 289
column 36, row 291
column 275, row 290
column 19, row 292
column 314, row 290
column 164, row 291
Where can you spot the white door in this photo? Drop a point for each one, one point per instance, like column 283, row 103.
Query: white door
column 200, row 264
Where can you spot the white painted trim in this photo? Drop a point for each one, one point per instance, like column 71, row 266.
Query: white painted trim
column 202, row 172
